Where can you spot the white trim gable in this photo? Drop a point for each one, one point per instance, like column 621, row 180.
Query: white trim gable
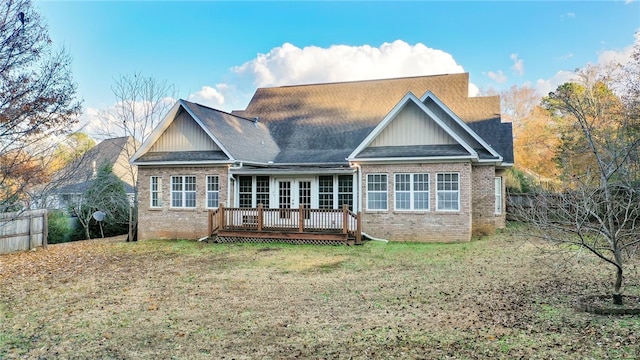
column 410, row 97
column 164, row 125
column 480, row 140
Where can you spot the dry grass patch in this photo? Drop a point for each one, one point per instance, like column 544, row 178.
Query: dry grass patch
column 499, row 297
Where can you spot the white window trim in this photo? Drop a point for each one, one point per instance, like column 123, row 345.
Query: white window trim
column 212, row 191
column 447, row 191
column 498, row 206
column 184, row 192
column 158, row 191
column 411, row 192
column 386, row 192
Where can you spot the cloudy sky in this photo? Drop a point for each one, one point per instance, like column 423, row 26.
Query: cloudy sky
column 217, row 53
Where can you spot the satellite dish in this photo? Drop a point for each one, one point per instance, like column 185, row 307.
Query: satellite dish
column 99, row 215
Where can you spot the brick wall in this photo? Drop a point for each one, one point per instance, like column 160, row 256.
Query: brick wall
column 172, row 223
column 501, row 219
column 422, row 226
column 483, row 194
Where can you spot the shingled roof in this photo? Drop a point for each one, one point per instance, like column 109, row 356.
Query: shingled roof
column 323, row 123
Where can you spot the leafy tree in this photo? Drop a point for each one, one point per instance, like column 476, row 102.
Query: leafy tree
column 597, row 204
column 105, row 193
column 37, row 97
column 534, row 133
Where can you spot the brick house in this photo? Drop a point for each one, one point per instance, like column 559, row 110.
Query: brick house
column 415, row 158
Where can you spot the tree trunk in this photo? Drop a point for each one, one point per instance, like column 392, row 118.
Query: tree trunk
column 617, row 295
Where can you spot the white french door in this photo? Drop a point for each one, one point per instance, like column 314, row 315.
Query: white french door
column 293, row 193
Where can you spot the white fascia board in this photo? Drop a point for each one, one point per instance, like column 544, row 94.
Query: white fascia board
column 157, row 132
column 457, row 119
column 267, row 171
column 431, row 159
column 392, row 114
column 183, row 163
column 206, row 130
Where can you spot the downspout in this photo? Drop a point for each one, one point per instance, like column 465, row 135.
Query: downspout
column 230, row 180
column 374, row 238
column 359, row 186
column 359, row 202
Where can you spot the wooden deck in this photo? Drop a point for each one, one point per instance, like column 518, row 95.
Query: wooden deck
column 299, row 226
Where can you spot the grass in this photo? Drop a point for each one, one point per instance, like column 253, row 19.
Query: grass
column 499, row 297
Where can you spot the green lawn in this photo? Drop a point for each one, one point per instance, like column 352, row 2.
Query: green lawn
column 498, row 297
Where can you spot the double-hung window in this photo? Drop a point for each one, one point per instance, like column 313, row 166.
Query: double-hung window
column 156, row 192
column 245, row 192
column 448, row 192
column 183, row 191
column 325, row 192
column 345, row 191
column 213, row 191
column 498, row 192
column 262, row 191
column 376, row 191
column 412, row 191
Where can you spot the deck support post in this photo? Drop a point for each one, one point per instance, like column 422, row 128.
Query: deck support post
column 260, row 217
column 222, row 218
column 345, row 219
column 359, row 228
column 301, row 218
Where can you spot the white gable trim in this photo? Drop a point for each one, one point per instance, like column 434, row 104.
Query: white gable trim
column 409, row 97
column 166, row 122
column 455, row 117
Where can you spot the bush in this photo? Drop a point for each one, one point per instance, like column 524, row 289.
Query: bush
column 59, row 227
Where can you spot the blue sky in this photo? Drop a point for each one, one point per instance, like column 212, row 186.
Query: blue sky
column 218, row 52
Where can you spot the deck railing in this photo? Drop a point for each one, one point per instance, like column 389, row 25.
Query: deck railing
column 296, row 220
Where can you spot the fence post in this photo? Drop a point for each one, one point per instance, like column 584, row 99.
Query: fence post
column 30, row 230
column 45, row 229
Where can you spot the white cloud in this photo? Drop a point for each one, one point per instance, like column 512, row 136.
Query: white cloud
column 518, row 64
column 498, row 77
column 289, row 64
column 571, row 14
column 209, row 96
column 623, row 56
column 544, row 87
column 107, row 123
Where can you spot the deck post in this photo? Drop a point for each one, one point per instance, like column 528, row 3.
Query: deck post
column 221, row 222
column 359, row 228
column 345, row 218
column 210, row 218
column 301, row 218
column 260, row 217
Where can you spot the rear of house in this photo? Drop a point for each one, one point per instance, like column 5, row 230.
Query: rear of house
column 367, row 156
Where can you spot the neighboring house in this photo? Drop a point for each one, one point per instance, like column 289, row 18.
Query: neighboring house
column 70, row 183
column 417, row 157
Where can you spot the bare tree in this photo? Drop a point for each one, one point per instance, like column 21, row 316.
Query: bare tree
column 104, row 193
column 597, row 204
column 141, row 102
column 37, row 98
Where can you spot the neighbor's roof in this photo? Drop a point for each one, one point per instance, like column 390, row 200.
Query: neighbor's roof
column 323, row 123
column 108, row 151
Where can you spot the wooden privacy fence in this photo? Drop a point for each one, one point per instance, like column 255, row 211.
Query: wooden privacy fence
column 23, row 230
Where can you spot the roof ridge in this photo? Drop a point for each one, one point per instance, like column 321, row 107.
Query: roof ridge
column 218, row 110
column 362, row 81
